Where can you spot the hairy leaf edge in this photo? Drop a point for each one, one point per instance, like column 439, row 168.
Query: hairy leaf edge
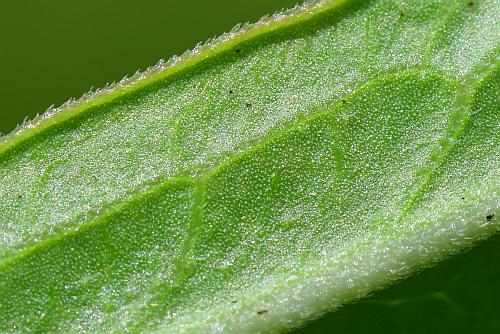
column 176, row 64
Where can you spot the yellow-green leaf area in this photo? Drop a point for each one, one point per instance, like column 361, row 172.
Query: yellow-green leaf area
column 257, row 184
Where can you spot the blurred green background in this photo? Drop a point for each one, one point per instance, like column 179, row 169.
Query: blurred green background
column 53, row 50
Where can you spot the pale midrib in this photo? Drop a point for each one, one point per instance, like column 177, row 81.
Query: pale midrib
column 199, row 182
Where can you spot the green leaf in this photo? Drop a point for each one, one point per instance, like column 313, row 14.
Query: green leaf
column 270, row 176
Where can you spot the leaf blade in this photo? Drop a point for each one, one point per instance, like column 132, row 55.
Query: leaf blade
column 192, row 128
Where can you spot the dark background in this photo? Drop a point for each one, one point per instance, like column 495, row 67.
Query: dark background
column 53, row 50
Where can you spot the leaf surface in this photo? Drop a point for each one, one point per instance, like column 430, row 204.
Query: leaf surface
column 260, row 181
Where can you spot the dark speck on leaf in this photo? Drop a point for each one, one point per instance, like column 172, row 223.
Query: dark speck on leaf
column 470, row 4
column 230, row 92
column 262, row 311
column 248, row 105
column 490, row 217
column 462, row 198
column 234, row 302
column 237, row 50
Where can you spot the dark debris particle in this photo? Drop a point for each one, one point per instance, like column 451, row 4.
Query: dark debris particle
column 401, row 14
column 237, row 50
column 19, row 196
column 462, row 198
column 262, row 311
column 344, row 101
column 230, row 92
column 490, row 217
column 248, row 105
column 470, row 4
